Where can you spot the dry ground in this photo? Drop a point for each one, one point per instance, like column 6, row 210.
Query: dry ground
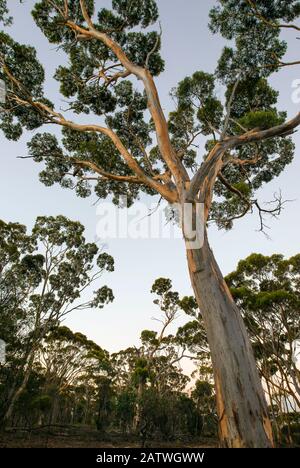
column 89, row 439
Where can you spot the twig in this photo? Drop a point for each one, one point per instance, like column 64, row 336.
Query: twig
column 154, row 48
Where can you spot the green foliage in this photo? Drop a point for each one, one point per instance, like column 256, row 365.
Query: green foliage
column 133, row 13
column 189, row 305
column 41, row 403
column 43, row 274
column 169, row 414
column 4, row 13
column 193, row 336
column 251, row 95
column 122, row 106
column 125, row 407
column 273, row 156
column 22, row 63
column 149, row 337
column 142, row 372
column 258, row 47
column 49, row 17
column 202, row 389
column 243, row 188
column 266, row 288
column 260, row 119
column 90, row 79
column 197, row 93
column 168, row 300
column 191, row 418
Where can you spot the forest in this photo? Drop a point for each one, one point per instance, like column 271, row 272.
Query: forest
column 221, row 366
column 56, row 383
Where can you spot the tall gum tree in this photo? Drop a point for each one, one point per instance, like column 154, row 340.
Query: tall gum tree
column 124, row 152
column 43, row 276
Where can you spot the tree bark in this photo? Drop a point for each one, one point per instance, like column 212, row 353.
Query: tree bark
column 241, row 404
column 138, row 407
column 16, row 395
column 17, row 392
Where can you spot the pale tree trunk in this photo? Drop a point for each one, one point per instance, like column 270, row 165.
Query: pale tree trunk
column 241, row 404
column 18, row 392
column 29, row 360
column 138, row 407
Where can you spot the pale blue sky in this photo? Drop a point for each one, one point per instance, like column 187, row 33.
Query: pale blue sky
column 187, row 46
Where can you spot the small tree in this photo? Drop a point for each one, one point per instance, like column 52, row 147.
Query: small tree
column 45, row 274
column 155, row 363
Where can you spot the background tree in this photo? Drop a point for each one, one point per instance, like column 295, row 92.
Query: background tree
column 203, row 395
column 141, row 394
column 267, row 291
column 69, row 360
column 156, row 362
column 43, row 278
column 247, row 145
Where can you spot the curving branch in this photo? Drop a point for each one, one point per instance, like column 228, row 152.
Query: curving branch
column 229, row 106
column 106, row 175
column 168, row 153
column 203, row 181
column 268, row 22
column 154, row 48
column 51, row 116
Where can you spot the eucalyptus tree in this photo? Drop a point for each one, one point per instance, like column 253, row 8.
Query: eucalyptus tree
column 267, row 291
column 119, row 150
column 47, row 281
column 69, row 360
column 14, row 243
column 156, row 362
column 203, row 395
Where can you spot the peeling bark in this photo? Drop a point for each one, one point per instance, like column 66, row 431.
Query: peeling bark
column 241, row 405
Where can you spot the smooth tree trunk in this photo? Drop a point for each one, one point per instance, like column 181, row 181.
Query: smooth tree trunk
column 138, row 407
column 16, row 395
column 241, row 404
column 17, row 391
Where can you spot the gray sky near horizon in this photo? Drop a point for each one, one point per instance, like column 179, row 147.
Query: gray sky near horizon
column 187, row 46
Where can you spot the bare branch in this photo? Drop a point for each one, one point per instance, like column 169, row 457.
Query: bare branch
column 107, row 175
column 85, row 14
column 229, row 105
column 116, row 76
column 154, row 48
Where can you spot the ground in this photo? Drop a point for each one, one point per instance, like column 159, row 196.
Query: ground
column 88, row 439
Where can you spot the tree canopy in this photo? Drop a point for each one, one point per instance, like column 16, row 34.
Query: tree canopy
column 106, row 49
column 44, row 276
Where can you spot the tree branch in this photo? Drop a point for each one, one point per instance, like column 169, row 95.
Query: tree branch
column 153, row 50
column 107, row 175
column 59, row 119
column 229, row 105
column 270, row 23
column 167, row 151
column 205, row 177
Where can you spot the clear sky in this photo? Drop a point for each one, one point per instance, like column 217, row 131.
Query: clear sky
column 187, row 46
